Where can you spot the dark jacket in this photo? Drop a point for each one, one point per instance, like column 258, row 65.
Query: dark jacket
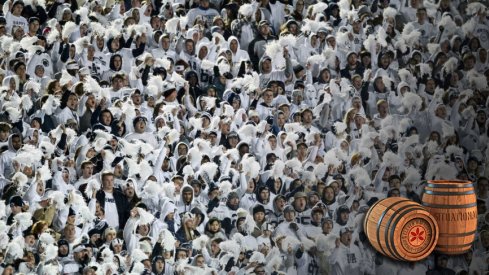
column 120, row 202
column 256, row 49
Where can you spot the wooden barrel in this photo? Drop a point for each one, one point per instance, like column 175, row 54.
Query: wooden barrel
column 401, row 229
column 454, row 206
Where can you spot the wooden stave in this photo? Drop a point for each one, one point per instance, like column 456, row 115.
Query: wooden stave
column 382, row 242
column 440, row 196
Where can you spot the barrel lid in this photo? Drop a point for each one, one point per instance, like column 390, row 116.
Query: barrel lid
column 449, row 183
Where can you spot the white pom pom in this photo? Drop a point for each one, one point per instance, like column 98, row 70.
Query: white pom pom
column 246, row 10
column 144, row 216
column 23, row 219
column 392, row 160
column 389, row 12
column 319, row 7
column 200, row 242
column 171, row 26
column 68, row 29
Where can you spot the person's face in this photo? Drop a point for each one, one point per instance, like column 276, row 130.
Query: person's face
column 259, row 217
column 244, row 150
column 300, row 204
column 16, row 143
column 200, row 262
column 481, row 117
column 234, row 202
column 17, row 9
column 140, row 126
column 160, row 123
column 441, row 112
column 213, row 139
column 382, row 108
column 117, row 248
column 264, row 30
column 30, row 240
column 72, row 102
column 233, row 142
column 281, row 120
column 357, row 103
column 203, row 52
column 143, row 229
column 129, row 192
column 15, row 209
column 117, row 62
column 307, row 117
column 39, row 71
column 21, row 70
column 197, row 189
column 236, row 104
column 359, row 120
column 273, row 142
column 289, row 216
column 165, row 43
column 215, row 248
column 434, row 136
column 136, row 99
column 91, row 102
column 106, row 118
column 264, row 194
column 69, row 230
column 266, row 66
column 204, row 3
column 100, row 42
column 293, row 29
column 108, row 182
column 395, row 183
column 280, row 204
column 87, row 170
column 189, row 47
column 483, row 55
column 159, row 266
column 317, row 216
column 187, row 197
column 4, row 135
column 328, row 193
column 214, row 226
column 182, row 150
column 155, row 23
column 63, row 250
column 332, row 42
column 313, row 199
column 34, row 27
column 352, row 59
column 117, row 83
column 346, row 238
column 327, row 227
column 110, row 236
column 298, row 97
column 115, row 44
column 178, row 185
column 234, row 45
column 190, row 223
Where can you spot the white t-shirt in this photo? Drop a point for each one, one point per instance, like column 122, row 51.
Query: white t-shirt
column 111, row 214
column 13, row 20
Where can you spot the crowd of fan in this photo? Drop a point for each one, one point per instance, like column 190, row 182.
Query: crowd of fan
column 226, row 137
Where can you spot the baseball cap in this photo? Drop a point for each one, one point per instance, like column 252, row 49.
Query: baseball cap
column 16, row 201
